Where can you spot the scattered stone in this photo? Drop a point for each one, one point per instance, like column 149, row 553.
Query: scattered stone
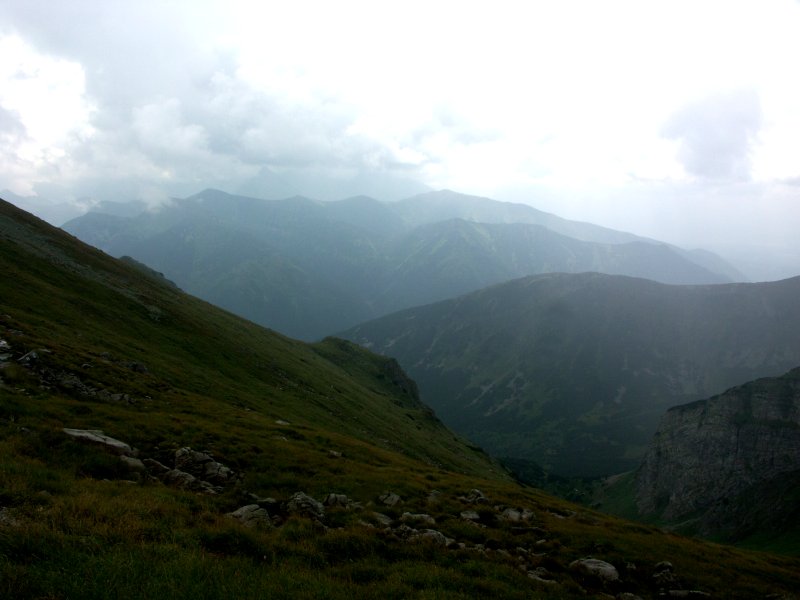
column 688, row 594
column 202, row 466
column 433, row 496
column 596, row 568
column 528, row 514
column 337, row 500
column 252, row 515
column 663, row 575
column 135, row 366
column 389, row 499
column 541, row 575
column 97, row 437
column 303, row 504
column 155, row 467
column 281, row 422
column 29, row 358
column 628, row 596
column 7, row 519
column 470, row 515
column 132, row 464
column 475, row 496
column 187, row 481
column 408, row 517
column 268, row 503
column 334, row 454
column 382, row 519
column 511, row 515
column 437, row 537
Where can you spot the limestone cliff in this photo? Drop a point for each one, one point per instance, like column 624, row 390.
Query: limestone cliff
column 708, row 458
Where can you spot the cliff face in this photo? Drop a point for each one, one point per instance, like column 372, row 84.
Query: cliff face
column 709, row 457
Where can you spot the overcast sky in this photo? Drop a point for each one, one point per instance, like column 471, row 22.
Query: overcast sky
column 677, row 120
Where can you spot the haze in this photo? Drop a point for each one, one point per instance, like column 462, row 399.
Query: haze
column 677, row 121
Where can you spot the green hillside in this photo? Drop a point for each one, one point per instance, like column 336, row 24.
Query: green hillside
column 93, row 343
column 574, row 371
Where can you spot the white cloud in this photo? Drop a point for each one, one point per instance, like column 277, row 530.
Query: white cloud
column 567, row 100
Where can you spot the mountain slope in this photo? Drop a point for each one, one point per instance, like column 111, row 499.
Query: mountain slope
column 231, row 423
column 309, row 268
column 728, row 466
column 573, row 371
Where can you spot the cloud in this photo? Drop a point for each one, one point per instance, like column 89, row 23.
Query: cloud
column 716, row 135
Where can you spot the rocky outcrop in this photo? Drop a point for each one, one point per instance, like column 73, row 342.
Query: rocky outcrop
column 707, row 455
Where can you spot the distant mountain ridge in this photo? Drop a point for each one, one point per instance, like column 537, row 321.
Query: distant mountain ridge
column 309, row 268
column 573, row 371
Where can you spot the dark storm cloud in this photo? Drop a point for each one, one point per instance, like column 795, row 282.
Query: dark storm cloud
column 716, row 134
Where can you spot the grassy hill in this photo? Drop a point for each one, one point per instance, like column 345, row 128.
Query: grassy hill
column 94, row 343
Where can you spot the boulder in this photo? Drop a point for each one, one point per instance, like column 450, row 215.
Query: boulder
column 98, row 438
column 511, row 515
column 594, row 567
column 132, row 464
column 475, row 496
column 437, row 537
column 336, row 500
column 302, row 504
column 470, row 515
column 389, row 499
column 251, row 515
column 422, row 518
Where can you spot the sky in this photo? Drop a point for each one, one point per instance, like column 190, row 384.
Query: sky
column 675, row 120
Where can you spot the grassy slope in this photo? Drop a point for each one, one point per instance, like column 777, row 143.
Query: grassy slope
column 218, row 383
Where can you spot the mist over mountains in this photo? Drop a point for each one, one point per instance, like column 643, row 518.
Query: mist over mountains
column 574, row 371
column 308, row 268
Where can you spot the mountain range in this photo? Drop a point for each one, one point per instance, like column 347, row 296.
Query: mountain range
column 573, row 371
column 153, row 445
column 308, row 268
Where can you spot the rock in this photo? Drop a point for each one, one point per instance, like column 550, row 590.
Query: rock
column 155, row 467
column 628, row 596
column 252, row 515
column 334, row 454
column 470, row 515
column 132, row 464
column 389, row 499
column 281, row 422
column 7, row 519
column 595, row 568
column 336, row 500
column 97, row 437
column 218, row 473
column 511, row 515
column 432, row 535
column 202, row 466
column 433, row 496
column 267, row 503
column 29, row 358
column 664, row 565
column 382, row 519
column 688, row 594
column 303, row 504
column 187, row 481
column 475, row 496
column 541, row 575
column 709, row 455
column 408, row 517
column 528, row 514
